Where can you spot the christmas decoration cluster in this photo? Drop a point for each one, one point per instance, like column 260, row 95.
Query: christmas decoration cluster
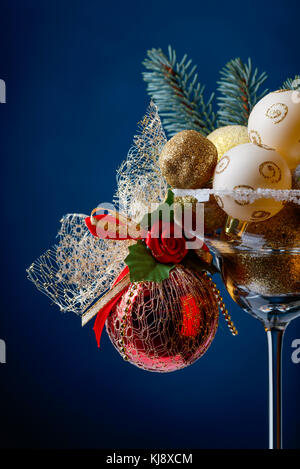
column 139, row 268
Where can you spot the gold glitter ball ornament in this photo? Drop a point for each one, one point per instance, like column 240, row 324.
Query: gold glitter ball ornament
column 282, row 230
column 188, row 160
column 228, row 137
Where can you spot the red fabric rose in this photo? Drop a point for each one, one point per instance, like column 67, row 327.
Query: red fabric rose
column 166, row 242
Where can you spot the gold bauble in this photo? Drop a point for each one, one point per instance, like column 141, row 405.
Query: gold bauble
column 188, row 160
column 282, row 230
column 228, row 137
column 214, row 216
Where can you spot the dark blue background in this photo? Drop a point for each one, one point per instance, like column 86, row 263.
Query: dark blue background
column 74, row 97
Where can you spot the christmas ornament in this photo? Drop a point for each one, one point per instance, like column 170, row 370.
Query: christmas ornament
column 251, row 167
column 274, row 123
column 281, row 230
column 151, row 312
column 132, row 269
column 214, row 216
column 225, row 138
column 188, row 160
column 165, row 326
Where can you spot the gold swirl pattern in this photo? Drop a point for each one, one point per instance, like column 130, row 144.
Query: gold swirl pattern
column 255, row 138
column 277, row 112
column 243, row 202
column 260, row 215
column 266, row 147
column 281, row 91
column 271, row 171
column 223, row 164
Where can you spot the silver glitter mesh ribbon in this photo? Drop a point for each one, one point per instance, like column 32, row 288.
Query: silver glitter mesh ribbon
column 242, row 195
column 81, row 268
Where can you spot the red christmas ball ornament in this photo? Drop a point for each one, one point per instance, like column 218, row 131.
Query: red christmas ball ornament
column 165, row 326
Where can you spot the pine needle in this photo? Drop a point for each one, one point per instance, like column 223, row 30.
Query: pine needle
column 239, row 87
column 175, row 89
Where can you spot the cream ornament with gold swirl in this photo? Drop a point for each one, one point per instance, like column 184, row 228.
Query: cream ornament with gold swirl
column 251, row 167
column 275, row 123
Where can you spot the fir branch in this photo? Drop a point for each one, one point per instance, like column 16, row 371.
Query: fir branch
column 239, row 87
column 291, row 83
column 174, row 88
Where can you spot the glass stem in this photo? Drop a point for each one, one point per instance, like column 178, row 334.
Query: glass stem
column 275, row 338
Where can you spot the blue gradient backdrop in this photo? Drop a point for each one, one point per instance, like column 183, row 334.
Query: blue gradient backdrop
column 74, row 97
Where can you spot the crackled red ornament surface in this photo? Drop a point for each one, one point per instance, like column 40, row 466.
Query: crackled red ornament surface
column 165, row 326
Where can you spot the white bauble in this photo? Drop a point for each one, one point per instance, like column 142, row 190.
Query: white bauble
column 274, row 122
column 251, row 167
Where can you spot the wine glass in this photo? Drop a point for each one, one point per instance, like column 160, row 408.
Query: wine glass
column 265, row 281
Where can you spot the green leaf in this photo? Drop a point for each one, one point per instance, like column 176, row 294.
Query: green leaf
column 162, row 213
column 143, row 266
column 170, row 198
column 173, row 85
column 196, row 264
column 240, row 89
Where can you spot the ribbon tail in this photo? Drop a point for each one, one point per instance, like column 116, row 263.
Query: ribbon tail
column 105, row 300
column 105, row 304
column 103, row 315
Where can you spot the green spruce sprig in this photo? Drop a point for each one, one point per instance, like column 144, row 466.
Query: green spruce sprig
column 239, row 87
column 291, row 83
column 175, row 89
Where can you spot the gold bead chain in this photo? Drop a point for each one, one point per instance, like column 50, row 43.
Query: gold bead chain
column 124, row 323
column 222, row 306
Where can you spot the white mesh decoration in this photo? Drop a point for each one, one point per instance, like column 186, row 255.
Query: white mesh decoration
column 81, row 268
column 139, row 179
